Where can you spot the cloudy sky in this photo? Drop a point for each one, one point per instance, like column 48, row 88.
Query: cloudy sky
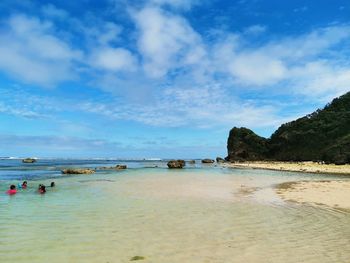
column 163, row 78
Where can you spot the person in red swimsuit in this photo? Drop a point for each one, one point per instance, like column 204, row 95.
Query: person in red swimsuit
column 12, row 190
column 41, row 189
column 24, row 185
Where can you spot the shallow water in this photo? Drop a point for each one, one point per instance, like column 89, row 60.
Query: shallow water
column 198, row 214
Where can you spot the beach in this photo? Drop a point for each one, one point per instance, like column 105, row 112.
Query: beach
column 304, row 167
column 331, row 193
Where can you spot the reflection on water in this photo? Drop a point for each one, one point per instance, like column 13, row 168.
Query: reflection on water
column 193, row 215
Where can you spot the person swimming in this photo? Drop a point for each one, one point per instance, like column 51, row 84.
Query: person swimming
column 24, row 185
column 12, row 190
column 41, row 189
column 52, row 184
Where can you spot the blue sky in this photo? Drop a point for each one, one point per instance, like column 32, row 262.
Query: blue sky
column 163, row 78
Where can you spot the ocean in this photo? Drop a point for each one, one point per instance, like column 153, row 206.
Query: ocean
column 202, row 213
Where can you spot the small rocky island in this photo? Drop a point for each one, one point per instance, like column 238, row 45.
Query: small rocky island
column 176, row 164
column 78, row 171
column 29, row 160
column 208, row 161
column 322, row 136
column 117, row 167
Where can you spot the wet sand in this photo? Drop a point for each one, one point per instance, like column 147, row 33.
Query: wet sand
column 335, row 194
column 305, row 167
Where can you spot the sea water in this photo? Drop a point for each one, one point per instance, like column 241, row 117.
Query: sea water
column 198, row 214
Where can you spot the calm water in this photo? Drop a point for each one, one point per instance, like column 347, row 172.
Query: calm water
column 198, row 214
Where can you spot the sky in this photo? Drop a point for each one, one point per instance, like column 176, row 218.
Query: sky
column 163, row 78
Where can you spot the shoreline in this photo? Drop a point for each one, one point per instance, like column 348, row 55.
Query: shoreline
column 330, row 193
column 303, row 167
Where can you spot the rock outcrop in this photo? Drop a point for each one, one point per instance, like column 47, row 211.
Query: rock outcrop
column 77, row 171
column 208, row 161
column 29, row 160
column 323, row 135
column 220, row 160
column 177, row 164
column 121, row 166
column 244, row 144
column 117, row 167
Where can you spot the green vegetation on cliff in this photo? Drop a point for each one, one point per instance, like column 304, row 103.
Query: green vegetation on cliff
column 323, row 135
column 244, row 144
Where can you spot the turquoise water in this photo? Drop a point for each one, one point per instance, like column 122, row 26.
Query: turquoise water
column 198, row 214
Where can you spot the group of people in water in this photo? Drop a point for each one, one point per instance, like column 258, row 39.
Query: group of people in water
column 41, row 188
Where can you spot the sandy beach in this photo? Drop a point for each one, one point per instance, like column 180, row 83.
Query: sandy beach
column 305, row 167
column 335, row 194
column 332, row 193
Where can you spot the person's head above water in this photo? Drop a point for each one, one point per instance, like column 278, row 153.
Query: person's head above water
column 24, row 184
column 52, row 184
column 12, row 190
column 42, row 189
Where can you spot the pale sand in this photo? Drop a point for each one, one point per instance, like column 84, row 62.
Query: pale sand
column 334, row 194
column 305, row 167
column 205, row 186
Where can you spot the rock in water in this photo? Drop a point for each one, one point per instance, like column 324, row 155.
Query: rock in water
column 220, row 160
column 77, row 171
column 117, row 167
column 120, row 166
column 176, row 164
column 137, row 258
column 208, row 161
column 29, row 160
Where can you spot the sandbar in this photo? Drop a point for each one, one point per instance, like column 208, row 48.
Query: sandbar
column 305, row 167
column 332, row 193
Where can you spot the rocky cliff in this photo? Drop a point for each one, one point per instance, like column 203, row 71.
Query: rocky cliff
column 323, row 135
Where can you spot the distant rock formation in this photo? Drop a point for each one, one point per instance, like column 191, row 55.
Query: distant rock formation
column 117, row 167
column 323, row 135
column 121, row 166
column 220, row 160
column 244, row 144
column 208, row 161
column 29, row 160
column 77, row 171
column 176, row 164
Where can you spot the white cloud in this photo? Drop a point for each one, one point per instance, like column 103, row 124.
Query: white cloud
column 166, row 41
column 279, row 60
column 198, row 107
column 18, row 102
column 24, row 113
column 52, row 11
column 256, row 69
column 255, row 30
column 114, row 59
column 319, row 78
column 307, row 45
column 103, row 33
column 191, row 79
column 110, row 33
column 186, row 4
column 30, row 51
